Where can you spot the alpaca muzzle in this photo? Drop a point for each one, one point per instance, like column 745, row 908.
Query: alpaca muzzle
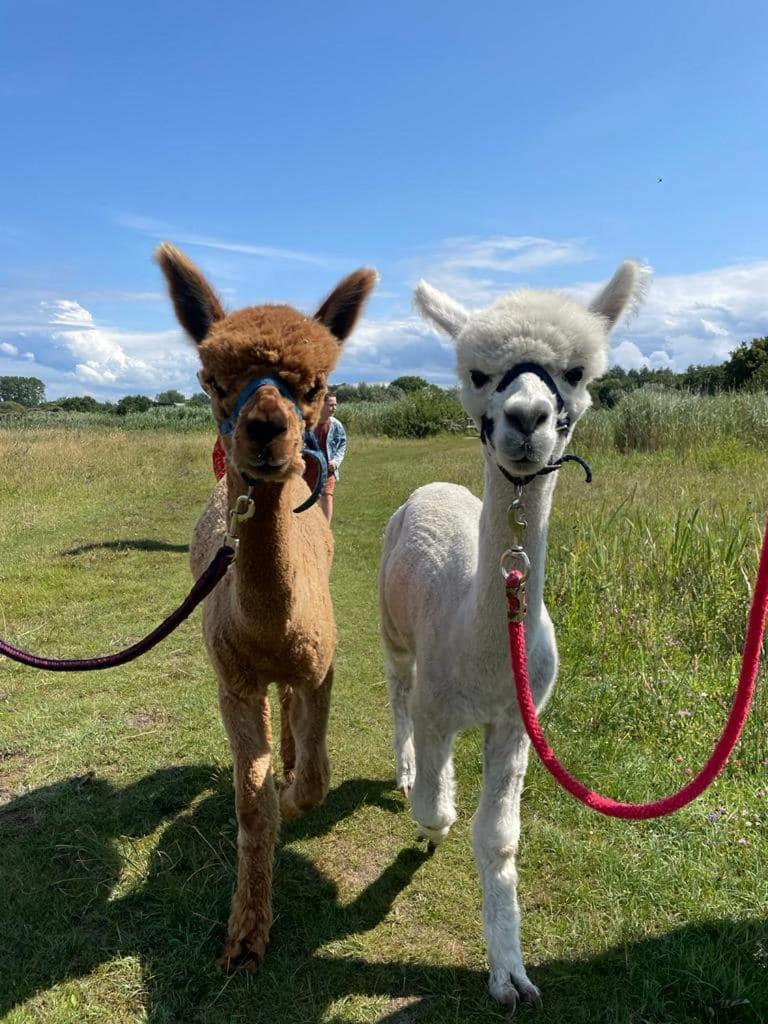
column 563, row 424
column 265, row 428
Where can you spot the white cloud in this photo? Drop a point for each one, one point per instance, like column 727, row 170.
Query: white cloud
column 66, row 311
column 381, row 350
column 159, row 229
column 477, row 271
column 628, row 355
column 138, row 360
column 510, row 254
column 699, row 318
column 686, row 318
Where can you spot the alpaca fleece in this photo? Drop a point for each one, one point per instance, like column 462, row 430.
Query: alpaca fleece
column 270, row 620
column 443, row 608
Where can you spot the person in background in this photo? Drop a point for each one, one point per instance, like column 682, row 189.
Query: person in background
column 332, row 439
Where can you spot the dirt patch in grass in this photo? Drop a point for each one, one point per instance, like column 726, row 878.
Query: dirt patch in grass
column 8, row 754
column 142, row 720
column 6, row 796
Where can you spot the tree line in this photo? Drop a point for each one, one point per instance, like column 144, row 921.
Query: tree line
column 29, row 392
column 745, row 369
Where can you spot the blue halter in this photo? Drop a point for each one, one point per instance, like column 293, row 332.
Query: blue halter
column 311, row 449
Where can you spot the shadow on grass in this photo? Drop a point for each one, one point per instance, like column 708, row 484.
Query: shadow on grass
column 68, row 904
column 145, row 544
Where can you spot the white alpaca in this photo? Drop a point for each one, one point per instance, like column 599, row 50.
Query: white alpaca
column 443, row 611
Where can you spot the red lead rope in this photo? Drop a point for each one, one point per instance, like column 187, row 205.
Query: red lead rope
column 730, row 735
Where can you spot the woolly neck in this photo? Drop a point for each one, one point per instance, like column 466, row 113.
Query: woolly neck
column 488, row 600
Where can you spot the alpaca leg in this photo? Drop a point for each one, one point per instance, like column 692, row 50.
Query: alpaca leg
column 246, row 718
column 400, row 678
column 433, row 787
column 309, row 724
column 495, row 835
column 287, row 744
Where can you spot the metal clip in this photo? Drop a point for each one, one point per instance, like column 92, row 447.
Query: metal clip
column 517, row 605
column 244, row 509
column 515, row 558
column 517, row 523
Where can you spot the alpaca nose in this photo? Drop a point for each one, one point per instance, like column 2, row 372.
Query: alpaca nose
column 261, row 432
column 527, row 417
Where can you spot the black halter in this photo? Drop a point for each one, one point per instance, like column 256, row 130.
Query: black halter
column 563, row 423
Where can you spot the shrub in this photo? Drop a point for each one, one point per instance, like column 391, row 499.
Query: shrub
column 415, row 415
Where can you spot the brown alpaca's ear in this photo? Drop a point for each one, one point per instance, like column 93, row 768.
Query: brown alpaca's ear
column 196, row 303
column 344, row 305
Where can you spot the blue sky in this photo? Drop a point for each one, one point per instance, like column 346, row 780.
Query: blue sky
column 483, row 146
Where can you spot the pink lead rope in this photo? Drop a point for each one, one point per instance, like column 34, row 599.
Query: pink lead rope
column 730, row 735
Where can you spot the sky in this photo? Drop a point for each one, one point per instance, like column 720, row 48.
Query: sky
column 483, row 146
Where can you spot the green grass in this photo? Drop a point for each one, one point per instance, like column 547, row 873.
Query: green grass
column 178, row 419
column 651, row 419
column 117, row 823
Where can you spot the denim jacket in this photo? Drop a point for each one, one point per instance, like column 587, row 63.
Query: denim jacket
column 336, row 445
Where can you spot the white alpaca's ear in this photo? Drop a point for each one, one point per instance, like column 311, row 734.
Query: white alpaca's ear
column 625, row 291
column 447, row 314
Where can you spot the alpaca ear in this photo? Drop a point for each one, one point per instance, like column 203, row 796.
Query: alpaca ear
column 340, row 311
column 625, row 290
column 447, row 314
column 196, row 303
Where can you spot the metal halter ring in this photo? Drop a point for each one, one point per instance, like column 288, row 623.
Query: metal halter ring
column 515, row 558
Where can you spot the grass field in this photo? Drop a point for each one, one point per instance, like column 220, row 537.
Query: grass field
column 117, row 824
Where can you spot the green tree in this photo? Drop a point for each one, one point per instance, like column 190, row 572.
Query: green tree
column 24, row 390
column 409, row 383
column 171, row 397
column 133, row 403
column 200, row 399
column 79, row 403
column 747, row 366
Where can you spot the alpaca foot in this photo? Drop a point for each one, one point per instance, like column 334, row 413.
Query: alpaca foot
column 289, row 809
column 508, row 989
column 244, row 948
column 296, row 797
column 434, row 836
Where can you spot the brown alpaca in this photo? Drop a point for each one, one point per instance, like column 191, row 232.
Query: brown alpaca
column 270, row 620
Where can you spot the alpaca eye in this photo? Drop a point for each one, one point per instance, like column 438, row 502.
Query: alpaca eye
column 211, row 385
column 574, row 376
column 478, row 379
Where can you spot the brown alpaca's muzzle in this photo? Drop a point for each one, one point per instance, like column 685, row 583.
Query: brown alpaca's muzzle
column 268, row 437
